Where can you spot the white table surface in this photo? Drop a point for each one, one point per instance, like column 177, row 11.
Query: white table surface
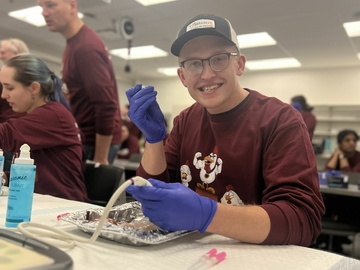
column 180, row 253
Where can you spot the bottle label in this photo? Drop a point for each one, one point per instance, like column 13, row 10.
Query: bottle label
column 21, row 190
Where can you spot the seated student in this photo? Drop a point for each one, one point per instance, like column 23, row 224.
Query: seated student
column 300, row 104
column 48, row 127
column 345, row 157
column 129, row 144
column 134, row 130
column 240, row 164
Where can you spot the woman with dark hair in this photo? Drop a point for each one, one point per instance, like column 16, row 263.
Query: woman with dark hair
column 299, row 103
column 48, row 127
column 345, row 157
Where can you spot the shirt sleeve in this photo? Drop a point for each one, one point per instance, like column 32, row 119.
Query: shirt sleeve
column 292, row 196
column 39, row 129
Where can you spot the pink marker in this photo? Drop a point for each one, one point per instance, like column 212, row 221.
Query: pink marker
column 61, row 215
column 208, row 260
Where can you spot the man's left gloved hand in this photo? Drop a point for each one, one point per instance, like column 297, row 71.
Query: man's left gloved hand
column 145, row 112
column 174, row 207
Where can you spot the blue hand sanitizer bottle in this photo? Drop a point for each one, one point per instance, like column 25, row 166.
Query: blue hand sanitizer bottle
column 21, row 188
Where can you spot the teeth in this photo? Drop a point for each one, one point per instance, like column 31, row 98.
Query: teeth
column 209, row 88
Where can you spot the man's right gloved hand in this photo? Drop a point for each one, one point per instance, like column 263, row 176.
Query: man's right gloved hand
column 145, row 112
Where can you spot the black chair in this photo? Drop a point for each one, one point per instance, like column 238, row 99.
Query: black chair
column 332, row 228
column 102, row 181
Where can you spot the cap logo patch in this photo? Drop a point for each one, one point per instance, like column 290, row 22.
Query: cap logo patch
column 200, row 24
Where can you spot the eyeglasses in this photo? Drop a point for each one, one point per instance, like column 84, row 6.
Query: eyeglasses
column 217, row 62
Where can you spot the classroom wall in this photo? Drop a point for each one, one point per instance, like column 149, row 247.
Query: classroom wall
column 335, row 86
column 122, row 83
column 340, row 86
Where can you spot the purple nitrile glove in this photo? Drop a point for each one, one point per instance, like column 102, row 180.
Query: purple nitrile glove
column 174, row 207
column 145, row 112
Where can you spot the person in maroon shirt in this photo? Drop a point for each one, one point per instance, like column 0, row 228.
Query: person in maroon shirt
column 8, row 49
column 300, row 104
column 345, row 157
column 129, row 144
column 134, row 130
column 48, row 127
column 89, row 77
column 240, row 164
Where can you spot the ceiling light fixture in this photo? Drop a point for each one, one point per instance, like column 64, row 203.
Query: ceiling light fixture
column 141, row 52
column 153, row 2
column 358, row 55
column 168, row 71
column 32, row 15
column 273, row 63
column 255, row 40
column 352, row 28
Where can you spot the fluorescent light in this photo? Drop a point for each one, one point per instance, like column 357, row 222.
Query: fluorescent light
column 352, row 28
column 141, row 52
column 255, row 40
column 358, row 55
column 32, row 15
column 168, row 71
column 272, row 63
column 153, row 2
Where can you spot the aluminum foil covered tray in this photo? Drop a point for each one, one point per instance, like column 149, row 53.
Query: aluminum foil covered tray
column 125, row 224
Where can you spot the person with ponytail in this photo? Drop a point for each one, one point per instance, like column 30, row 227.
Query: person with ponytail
column 48, row 127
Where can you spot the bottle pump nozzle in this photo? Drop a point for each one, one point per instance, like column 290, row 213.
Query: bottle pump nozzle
column 24, row 157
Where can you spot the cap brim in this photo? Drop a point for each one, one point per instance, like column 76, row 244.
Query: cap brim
column 182, row 40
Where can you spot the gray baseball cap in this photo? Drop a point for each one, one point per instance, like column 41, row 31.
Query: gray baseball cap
column 204, row 25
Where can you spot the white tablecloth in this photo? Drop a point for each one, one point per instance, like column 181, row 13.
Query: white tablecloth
column 180, row 253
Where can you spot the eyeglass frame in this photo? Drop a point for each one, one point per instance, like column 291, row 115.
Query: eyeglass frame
column 208, row 59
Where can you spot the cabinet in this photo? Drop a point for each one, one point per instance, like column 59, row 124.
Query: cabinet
column 331, row 119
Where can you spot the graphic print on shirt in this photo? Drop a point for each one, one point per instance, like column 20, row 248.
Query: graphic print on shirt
column 185, row 174
column 209, row 167
column 230, row 197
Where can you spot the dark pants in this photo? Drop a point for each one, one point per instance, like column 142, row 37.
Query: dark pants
column 8, row 160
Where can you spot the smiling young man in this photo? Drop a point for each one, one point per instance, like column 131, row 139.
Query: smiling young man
column 89, row 76
column 246, row 159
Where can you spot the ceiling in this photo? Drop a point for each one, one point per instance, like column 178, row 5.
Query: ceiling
column 309, row 30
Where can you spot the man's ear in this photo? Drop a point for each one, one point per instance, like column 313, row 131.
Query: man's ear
column 241, row 60
column 181, row 76
column 73, row 5
column 180, row 73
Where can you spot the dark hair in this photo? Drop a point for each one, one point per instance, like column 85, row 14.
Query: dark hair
column 302, row 101
column 342, row 134
column 29, row 69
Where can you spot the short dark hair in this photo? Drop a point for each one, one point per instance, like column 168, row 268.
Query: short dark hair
column 342, row 134
column 302, row 101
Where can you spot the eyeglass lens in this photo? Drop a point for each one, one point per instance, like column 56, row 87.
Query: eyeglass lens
column 217, row 63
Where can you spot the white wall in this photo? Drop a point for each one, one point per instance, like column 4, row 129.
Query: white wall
column 122, row 84
column 326, row 86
